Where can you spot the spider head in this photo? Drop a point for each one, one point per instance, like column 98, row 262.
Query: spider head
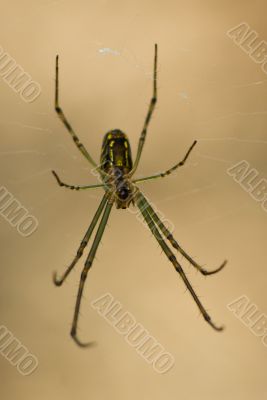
column 123, row 193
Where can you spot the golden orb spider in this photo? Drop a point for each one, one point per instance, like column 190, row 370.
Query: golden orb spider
column 116, row 171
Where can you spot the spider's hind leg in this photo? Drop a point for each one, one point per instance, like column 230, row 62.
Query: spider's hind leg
column 61, row 115
column 150, row 111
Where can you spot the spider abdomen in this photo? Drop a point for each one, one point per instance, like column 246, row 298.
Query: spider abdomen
column 116, row 151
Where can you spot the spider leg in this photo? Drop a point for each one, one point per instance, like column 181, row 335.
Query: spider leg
column 87, row 266
column 169, row 171
column 59, row 181
column 148, row 116
column 174, row 261
column 59, row 281
column 67, row 124
column 174, row 243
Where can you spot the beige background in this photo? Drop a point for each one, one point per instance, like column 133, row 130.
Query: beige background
column 209, row 90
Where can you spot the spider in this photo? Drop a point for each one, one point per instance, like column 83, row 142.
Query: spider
column 116, row 171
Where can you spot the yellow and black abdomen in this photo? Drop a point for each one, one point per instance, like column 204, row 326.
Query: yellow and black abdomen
column 116, row 151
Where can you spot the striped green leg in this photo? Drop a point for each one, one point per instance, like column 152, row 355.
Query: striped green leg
column 169, row 171
column 86, row 268
column 149, row 115
column 67, row 124
column 59, row 181
column 169, row 236
column 173, row 260
column 59, row 281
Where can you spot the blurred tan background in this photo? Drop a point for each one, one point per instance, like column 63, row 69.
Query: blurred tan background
column 209, row 90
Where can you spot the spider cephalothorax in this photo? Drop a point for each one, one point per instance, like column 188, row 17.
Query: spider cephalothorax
column 116, row 172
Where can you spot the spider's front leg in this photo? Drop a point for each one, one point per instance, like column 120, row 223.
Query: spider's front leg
column 151, row 224
column 174, row 243
column 84, row 242
column 86, row 268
